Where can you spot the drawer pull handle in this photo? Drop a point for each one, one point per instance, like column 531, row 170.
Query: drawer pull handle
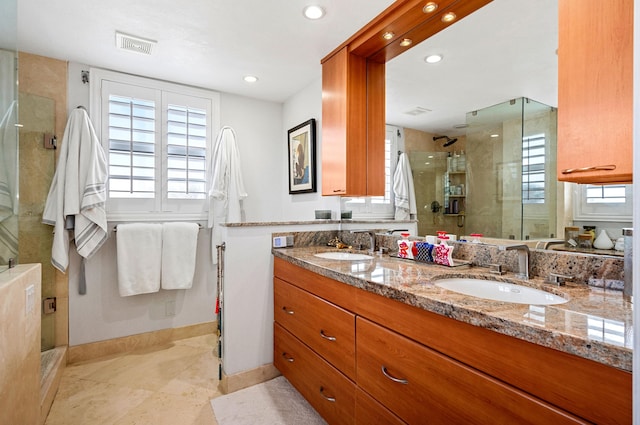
column 287, row 357
column 593, row 168
column 286, row 310
column 330, row 338
column 331, row 399
column 398, row 380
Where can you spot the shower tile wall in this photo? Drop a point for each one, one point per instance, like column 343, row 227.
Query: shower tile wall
column 43, row 108
column 428, row 183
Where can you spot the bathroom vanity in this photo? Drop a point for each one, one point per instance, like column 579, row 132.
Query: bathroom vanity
column 376, row 341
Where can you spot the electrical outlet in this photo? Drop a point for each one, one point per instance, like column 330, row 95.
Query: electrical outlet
column 30, row 295
column 170, row 308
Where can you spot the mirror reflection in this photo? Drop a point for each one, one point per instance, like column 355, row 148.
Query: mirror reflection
column 489, row 104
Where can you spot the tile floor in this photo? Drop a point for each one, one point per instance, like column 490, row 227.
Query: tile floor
column 169, row 384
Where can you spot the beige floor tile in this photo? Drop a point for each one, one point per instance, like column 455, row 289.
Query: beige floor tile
column 94, row 403
column 161, row 409
column 169, row 384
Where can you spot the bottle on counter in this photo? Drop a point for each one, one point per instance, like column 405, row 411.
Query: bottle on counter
column 592, row 231
column 571, row 236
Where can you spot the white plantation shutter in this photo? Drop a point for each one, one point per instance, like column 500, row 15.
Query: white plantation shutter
column 158, row 137
column 188, row 140
column 533, row 169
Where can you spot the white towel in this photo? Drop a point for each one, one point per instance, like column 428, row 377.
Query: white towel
column 227, row 187
column 179, row 244
column 139, row 253
column 78, row 192
column 405, row 198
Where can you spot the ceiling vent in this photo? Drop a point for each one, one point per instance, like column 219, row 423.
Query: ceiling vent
column 134, row 44
column 418, row 110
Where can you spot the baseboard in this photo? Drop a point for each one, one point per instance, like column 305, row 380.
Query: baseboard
column 94, row 350
column 238, row 381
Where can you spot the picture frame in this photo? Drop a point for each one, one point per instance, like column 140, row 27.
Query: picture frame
column 302, row 157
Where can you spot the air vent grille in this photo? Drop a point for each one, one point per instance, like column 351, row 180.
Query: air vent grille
column 418, row 110
column 134, row 44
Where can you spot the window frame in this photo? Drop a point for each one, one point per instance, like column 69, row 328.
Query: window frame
column 161, row 208
column 378, row 207
column 613, row 212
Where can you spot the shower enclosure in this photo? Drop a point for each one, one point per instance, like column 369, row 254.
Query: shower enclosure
column 8, row 135
column 507, row 187
column 511, row 170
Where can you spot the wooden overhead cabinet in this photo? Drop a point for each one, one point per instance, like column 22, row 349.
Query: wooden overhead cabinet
column 352, row 162
column 595, row 91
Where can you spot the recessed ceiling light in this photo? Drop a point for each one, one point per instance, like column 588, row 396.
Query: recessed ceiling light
column 448, row 17
column 388, row 35
column 250, row 78
column 433, row 58
column 429, row 7
column 406, row 42
column 313, row 12
column 495, row 135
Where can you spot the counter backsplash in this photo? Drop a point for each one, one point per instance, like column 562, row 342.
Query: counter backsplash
column 595, row 270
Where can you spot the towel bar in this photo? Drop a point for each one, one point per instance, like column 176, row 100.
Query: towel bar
column 115, row 228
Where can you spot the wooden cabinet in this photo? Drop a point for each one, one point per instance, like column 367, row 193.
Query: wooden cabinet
column 595, row 91
column 314, row 341
column 421, row 385
column 352, row 153
column 456, row 372
column 324, row 387
column 326, row 328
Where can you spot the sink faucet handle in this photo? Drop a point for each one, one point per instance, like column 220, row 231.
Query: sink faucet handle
column 558, row 279
column 496, row 269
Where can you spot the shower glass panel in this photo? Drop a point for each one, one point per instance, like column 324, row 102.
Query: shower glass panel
column 511, row 166
column 8, row 134
column 37, row 116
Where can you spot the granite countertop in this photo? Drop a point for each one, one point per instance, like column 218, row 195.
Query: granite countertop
column 595, row 323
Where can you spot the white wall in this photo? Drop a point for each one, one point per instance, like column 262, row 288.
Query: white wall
column 102, row 314
column 301, row 107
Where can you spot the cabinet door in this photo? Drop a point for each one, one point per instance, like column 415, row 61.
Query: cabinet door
column 423, row 386
column 595, row 91
column 328, row 329
column 326, row 389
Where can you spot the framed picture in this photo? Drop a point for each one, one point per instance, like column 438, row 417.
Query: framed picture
column 302, row 158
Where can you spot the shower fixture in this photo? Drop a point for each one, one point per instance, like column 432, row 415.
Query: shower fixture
column 449, row 141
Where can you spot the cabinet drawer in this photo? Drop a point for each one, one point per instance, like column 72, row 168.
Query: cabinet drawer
column 328, row 329
column 370, row 412
column 326, row 389
column 423, row 386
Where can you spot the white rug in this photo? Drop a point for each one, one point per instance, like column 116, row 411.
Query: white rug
column 274, row 402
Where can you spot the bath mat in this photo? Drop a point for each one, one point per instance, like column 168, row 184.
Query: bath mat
column 274, row 402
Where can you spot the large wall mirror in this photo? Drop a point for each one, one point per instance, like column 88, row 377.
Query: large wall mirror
column 494, row 92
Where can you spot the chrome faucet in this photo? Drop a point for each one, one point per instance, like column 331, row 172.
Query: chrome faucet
column 372, row 238
column 523, row 258
column 392, row 231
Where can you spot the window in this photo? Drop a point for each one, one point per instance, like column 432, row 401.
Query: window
column 157, row 137
column 378, row 206
column 603, row 203
column 533, row 172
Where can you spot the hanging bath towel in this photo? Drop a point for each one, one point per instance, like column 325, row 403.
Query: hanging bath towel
column 77, row 195
column 139, row 254
column 405, row 198
column 179, row 245
column 227, row 187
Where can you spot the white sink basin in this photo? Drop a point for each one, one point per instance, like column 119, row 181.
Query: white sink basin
column 500, row 291
column 344, row 256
